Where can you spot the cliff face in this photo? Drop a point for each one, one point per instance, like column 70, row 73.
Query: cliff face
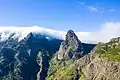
column 100, row 69
column 95, row 67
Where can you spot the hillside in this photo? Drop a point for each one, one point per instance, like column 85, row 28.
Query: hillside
column 102, row 63
column 43, row 57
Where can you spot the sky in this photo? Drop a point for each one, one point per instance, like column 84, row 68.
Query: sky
column 79, row 15
column 88, row 18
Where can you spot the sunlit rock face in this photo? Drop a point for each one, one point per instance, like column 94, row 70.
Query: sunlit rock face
column 71, row 47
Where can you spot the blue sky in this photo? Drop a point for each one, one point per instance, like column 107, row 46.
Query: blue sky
column 80, row 15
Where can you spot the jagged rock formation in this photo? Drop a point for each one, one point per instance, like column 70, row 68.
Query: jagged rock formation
column 63, row 66
column 102, row 63
column 71, row 47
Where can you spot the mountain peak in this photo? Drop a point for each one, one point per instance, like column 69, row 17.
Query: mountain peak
column 71, row 47
column 70, row 34
column 71, row 37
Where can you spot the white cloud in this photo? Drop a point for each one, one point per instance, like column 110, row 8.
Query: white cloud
column 95, row 9
column 108, row 30
column 22, row 32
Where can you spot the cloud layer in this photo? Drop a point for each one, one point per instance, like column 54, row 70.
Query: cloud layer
column 107, row 31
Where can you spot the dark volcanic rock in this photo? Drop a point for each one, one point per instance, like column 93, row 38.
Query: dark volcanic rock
column 71, row 47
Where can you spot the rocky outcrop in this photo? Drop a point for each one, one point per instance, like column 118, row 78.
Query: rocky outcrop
column 64, row 64
column 102, row 63
column 71, row 47
column 100, row 69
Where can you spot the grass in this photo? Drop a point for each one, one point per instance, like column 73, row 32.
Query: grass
column 64, row 73
column 110, row 54
column 113, row 54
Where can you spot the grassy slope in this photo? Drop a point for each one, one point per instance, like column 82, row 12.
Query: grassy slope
column 109, row 51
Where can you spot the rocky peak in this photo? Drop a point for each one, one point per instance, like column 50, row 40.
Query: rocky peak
column 71, row 37
column 71, row 47
column 70, row 34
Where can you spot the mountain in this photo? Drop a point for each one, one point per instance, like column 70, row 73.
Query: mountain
column 71, row 50
column 102, row 63
column 18, row 59
column 40, row 56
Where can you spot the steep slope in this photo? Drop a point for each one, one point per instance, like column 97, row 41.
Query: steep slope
column 102, row 63
column 18, row 59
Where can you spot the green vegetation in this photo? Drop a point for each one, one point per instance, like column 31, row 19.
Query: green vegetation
column 64, row 73
column 98, row 48
column 82, row 76
column 112, row 54
column 64, row 70
column 67, row 72
column 70, row 49
column 109, row 51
